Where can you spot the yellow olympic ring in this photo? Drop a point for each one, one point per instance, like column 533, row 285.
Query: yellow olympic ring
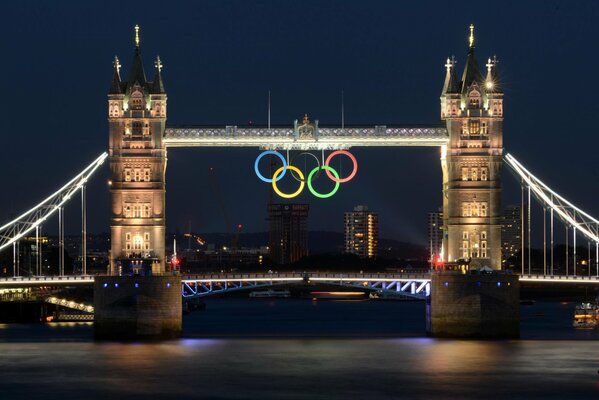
column 285, row 195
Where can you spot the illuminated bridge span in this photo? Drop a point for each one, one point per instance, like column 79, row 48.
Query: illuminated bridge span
column 292, row 138
column 71, row 304
column 411, row 285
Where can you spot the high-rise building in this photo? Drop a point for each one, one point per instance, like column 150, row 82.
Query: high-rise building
column 288, row 232
column 435, row 235
column 136, row 123
column 362, row 232
column 511, row 235
column 472, row 108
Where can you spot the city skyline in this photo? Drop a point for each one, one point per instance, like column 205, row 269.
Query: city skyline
column 83, row 76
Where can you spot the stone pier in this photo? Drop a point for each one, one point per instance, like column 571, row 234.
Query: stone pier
column 474, row 305
column 137, row 307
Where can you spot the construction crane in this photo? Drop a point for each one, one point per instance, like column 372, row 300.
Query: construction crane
column 195, row 237
column 217, row 192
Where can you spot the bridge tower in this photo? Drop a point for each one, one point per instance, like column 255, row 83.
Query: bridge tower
column 473, row 111
column 136, row 120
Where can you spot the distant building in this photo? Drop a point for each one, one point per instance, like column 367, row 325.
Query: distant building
column 362, row 232
column 511, row 235
column 288, row 232
column 435, row 235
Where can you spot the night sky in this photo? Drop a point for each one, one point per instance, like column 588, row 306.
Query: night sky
column 221, row 58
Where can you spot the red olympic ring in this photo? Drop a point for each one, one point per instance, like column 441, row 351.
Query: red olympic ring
column 352, row 158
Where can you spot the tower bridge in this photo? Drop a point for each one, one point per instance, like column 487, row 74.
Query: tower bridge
column 470, row 142
column 471, row 154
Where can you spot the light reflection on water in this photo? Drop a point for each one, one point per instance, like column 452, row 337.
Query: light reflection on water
column 241, row 363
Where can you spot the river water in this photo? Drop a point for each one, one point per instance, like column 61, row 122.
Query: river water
column 303, row 349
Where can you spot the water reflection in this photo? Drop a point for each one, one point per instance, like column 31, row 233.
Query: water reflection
column 296, row 366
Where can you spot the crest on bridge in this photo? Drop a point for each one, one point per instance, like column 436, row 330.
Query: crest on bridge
column 306, row 129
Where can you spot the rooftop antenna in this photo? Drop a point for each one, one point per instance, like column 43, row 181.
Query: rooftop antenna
column 342, row 111
column 269, row 110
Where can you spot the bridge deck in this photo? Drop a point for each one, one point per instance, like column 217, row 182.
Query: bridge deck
column 68, row 280
column 288, row 138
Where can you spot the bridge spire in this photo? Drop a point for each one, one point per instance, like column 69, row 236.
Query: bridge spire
column 137, row 74
column 451, row 81
column 115, row 87
column 158, row 86
column 471, row 72
column 136, row 36
column 492, row 81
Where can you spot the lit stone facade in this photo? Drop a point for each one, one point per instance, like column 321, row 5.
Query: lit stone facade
column 473, row 111
column 136, row 119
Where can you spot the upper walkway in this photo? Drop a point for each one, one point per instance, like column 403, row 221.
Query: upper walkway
column 294, row 138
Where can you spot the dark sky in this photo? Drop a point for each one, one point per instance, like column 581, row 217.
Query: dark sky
column 220, row 59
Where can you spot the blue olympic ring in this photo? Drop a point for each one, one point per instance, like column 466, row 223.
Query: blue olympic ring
column 276, row 153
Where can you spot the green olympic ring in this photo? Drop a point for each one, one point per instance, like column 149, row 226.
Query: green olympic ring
column 325, row 195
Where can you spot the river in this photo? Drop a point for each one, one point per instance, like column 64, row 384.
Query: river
column 303, row 349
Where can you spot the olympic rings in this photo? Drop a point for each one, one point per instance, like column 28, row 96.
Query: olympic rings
column 314, row 173
column 320, row 195
column 353, row 159
column 285, row 195
column 276, row 153
column 306, row 153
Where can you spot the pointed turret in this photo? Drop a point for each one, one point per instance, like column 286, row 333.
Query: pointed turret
column 471, row 72
column 158, row 85
column 451, row 82
column 115, row 86
column 492, row 84
column 137, row 74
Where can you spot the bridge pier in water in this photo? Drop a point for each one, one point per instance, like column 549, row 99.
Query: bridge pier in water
column 482, row 305
column 137, row 307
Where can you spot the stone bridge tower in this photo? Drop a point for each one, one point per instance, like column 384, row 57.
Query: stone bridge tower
column 473, row 110
column 136, row 120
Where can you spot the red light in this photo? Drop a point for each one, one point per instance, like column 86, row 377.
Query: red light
column 175, row 261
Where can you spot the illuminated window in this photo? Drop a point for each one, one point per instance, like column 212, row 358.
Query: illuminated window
column 137, row 175
column 484, row 172
column 137, row 210
column 464, row 173
column 474, row 174
column 466, row 210
column 483, row 235
column 483, row 129
column 127, row 174
column 483, row 209
column 474, row 126
column 146, row 174
column 465, row 235
column 136, row 100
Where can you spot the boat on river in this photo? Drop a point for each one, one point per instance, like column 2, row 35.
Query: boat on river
column 271, row 293
column 586, row 316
